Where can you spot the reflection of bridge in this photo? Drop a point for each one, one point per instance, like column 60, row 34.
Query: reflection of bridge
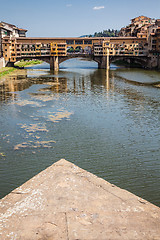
column 56, row 50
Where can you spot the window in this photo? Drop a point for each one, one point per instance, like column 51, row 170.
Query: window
column 78, row 41
column 87, row 41
column 70, row 42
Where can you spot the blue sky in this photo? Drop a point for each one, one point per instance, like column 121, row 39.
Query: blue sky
column 58, row 18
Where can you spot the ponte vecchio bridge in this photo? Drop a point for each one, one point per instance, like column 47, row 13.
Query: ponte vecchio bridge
column 102, row 50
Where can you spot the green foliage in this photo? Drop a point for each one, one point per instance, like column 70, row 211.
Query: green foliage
column 27, row 63
column 5, row 71
column 107, row 33
column 70, row 50
column 78, row 49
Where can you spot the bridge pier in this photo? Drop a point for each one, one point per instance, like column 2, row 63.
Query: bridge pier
column 10, row 64
column 153, row 62
column 104, row 62
column 54, row 63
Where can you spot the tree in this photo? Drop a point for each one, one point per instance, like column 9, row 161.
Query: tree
column 107, row 33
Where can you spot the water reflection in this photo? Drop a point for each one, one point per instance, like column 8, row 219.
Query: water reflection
column 108, row 83
column 12, row 83
column 60, row 82
column 98, row 119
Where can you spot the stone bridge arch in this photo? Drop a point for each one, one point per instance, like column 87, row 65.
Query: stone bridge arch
column 72, row 56
column 54, row 61
column 140, row 60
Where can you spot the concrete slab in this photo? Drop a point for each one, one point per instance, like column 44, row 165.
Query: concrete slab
column 69, row 203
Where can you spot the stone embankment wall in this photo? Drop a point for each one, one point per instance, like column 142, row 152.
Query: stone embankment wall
column 153, row 62
column 2, row 62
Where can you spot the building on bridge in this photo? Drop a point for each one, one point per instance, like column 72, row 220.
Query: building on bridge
column 11, row 31
column 143, row 49
column 97, row 49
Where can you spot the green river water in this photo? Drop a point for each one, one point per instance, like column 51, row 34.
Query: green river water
column 105, row 122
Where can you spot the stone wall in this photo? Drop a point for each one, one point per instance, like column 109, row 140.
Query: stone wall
column 154, row 61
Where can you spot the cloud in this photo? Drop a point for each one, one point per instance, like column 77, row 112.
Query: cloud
column 69, row 5
column 98, row 7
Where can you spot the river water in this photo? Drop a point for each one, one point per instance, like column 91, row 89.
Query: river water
column 105, row 122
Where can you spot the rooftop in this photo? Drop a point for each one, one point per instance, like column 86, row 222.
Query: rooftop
column 142, row 16
column 12, row 26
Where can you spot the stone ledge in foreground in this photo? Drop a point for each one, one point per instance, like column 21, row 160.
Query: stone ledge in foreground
column 69, row 203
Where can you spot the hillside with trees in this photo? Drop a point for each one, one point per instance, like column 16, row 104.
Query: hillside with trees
column 104, row 33
column 107, row 33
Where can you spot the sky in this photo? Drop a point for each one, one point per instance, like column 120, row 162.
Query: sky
column 73, row 18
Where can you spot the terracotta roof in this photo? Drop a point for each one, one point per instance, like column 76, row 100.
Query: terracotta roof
column 19, row 39
column 11, row 25
column 21, row 29
column 5, row 29
column 140, row 17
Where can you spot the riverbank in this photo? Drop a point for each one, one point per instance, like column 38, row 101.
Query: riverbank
column 6, row 70
column 67, row 202
column 21, row 64
column 27, row 63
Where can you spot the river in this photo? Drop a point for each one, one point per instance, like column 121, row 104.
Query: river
column 105, row 122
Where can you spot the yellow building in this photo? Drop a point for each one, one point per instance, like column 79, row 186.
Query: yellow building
column 128, row 46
